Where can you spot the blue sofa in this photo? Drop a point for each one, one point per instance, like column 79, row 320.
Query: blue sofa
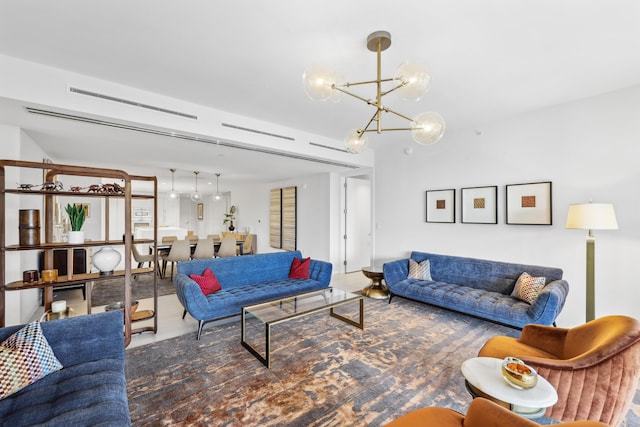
column 245, row 280
column 90, row 389
column 479, row 287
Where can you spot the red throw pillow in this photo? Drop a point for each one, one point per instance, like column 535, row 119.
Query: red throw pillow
column 300, row 268
column 208, row 282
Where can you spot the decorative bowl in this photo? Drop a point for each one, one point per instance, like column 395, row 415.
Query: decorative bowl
column 120, row 306
column 518, row 374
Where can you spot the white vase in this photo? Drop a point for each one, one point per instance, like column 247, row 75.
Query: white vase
column 76, row 237
column 106, row 259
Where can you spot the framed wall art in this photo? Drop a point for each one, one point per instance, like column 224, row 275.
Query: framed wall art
column 479, row 205
column 200, row 211
column 529, row 203
column 441, row 205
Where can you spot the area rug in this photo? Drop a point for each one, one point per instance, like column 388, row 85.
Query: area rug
column 111, row 290
column 324, row 372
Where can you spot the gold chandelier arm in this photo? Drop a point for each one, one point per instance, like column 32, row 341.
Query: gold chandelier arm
column 367, row 82
column 385, row 129
column 339, row 89
column 398, row 114
column 366, row 128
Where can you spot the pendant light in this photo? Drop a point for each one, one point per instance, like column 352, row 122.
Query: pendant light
column 173, row 194
column 196, row 196
column 218, row 196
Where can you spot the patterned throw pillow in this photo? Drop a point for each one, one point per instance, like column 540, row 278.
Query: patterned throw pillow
column 25, row 357
column 420, row 271
column 208, row 282
column 528, row 288
column 300, row 268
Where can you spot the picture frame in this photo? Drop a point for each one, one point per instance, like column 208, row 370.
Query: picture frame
column 529, row 204
column 200, row 211
column 441, row 206
column 87, row 206
column 479, row 205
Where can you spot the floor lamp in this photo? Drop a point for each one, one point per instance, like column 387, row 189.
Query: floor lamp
column 591, row 216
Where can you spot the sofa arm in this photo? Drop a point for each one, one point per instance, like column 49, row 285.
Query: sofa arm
column 549, row 303
column 395, row 271
column 320, row 271
column 190, row 296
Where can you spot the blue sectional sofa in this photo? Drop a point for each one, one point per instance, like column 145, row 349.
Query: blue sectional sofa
column 245, row 280
column 479, row 287
column 90, row 389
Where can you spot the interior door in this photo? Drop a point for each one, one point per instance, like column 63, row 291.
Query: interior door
column 357, row 223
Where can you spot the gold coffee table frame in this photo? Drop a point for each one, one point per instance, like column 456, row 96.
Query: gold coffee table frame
column 277, row 311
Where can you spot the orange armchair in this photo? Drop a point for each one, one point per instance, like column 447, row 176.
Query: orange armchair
column 481, row 413
column 595, row 367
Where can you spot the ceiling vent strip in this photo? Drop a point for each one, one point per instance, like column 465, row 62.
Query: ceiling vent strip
column 183, row 136
column 261, row 132
column 328, row 147
column 132, row 103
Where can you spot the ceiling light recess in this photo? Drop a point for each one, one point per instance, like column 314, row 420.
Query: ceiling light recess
column 410, row 81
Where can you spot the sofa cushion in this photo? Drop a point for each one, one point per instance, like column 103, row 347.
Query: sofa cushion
column 299, row 268
column 25, row 357
column 207, row 281
column 528, row 288
column 420, row 271
column 91, row 393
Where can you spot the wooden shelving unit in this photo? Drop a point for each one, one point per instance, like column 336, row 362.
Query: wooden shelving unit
column 52, row 171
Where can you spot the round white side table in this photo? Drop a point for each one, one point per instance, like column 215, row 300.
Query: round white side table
column 484, row 374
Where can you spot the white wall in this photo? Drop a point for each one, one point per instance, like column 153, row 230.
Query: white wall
column 314, row 213
column 589, row 149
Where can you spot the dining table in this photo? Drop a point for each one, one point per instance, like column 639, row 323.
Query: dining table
column 164, row 247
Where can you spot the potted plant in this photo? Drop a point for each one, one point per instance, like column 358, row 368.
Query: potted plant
column 77, row 214
column 229, row 217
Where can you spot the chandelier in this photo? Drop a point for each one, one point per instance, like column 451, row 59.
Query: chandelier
column 196, row 196
column 410, row 81
column 218, row 196
column 173, row 194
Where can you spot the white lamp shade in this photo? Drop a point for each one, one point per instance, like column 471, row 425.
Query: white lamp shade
column 318, row 83
column 427, row 128
column 592, row 216
column 354, row 142
column 417, row 80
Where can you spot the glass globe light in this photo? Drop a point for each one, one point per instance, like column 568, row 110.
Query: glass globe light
column 417, row 80
column 173, row 194
column 355, row 141
column 196, row 196
column 427, row 128
column 318, row 83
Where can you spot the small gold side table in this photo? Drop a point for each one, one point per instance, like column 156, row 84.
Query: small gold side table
column 376, row 289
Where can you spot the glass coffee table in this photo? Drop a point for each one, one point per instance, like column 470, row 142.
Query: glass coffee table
column 267, row 314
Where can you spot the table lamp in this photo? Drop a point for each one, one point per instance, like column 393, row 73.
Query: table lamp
column 591, row 216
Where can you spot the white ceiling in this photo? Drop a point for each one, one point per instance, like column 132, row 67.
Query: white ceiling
column 488, row 60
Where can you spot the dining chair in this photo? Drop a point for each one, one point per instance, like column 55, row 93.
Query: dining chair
column 180, row 251
column 166, row 240
column 204, row 249
column 227, row 247
column 247, row 246
column 140, row 258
